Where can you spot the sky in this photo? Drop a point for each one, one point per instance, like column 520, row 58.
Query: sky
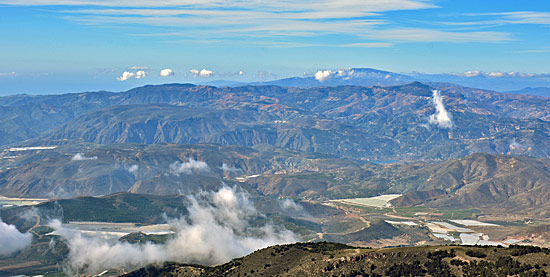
column 60, row 46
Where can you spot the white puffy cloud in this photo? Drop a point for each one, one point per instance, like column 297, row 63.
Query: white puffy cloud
column 322, row 75
column 189, row 167
column 81, row 157
column 137, row 72
column 140, row 74
column 166, row 72
column 216, row 230
column 11, row 240
column 441, row 117
column 125, row 76
column 206, row 73
column 202, row 73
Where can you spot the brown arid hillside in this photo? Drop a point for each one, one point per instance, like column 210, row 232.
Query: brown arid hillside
column 493, row 183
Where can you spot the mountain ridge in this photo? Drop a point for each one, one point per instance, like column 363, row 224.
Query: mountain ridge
column 372, row 123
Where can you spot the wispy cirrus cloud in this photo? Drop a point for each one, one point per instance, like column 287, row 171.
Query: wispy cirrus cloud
column 325, row 6
column 427, row 35
column 363, row 23
column 519, row 17
column 501, row 18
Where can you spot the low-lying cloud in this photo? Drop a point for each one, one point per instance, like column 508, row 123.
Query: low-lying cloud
column 322, row 75
column 133, row 168
column 344, row 74
column 477, row 73
column 81, row 157
column 441, row 118
column 514, row 145
column 216, row 230
column 11, row 240
column 289, row 204
column 230, row 169
column 290, row 207
column 189, row 167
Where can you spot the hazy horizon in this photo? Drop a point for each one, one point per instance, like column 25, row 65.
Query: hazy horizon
column 56, row 46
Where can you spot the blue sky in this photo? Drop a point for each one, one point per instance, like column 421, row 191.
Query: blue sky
column 57, row 46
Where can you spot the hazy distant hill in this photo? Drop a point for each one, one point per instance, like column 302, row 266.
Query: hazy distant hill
column 498, row 81
column 540, row 91
column 354, row 76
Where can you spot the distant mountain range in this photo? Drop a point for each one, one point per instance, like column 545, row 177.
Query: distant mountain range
column 540, row 91
column 406, row 122
column 351, row 77
column 513, row 82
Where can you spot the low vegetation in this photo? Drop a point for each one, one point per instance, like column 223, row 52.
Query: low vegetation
column 332, row 259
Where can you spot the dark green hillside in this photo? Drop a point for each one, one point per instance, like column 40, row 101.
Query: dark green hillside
column 120, row 207
column 330, row 259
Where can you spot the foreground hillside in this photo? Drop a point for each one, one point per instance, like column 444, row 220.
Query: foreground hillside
column 329, row 259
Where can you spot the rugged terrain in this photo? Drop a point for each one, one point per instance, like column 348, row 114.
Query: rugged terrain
column 373, row 123
column 497, row 184
column 494, row 183
column 329, row 259
column 280, row 159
